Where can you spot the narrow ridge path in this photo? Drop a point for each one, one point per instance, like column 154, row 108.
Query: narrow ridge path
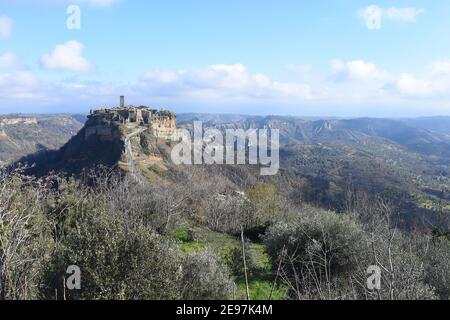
column 135, row 173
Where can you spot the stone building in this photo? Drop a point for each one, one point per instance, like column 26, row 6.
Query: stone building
column 162, row 124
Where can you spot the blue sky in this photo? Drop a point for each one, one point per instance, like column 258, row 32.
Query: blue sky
column 336, row 58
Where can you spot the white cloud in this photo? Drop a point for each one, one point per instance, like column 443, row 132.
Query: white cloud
column 9, row 61
column 67, row 57
column 347, row 83
column 161, row 76
column 6, row 26
column 440, row 69
column 353, row 84
column 435, row 83
column 374, row 15
column 357, row 70
column 409, row 85
column 226, row 81
column 17, row 83
column 402, row 14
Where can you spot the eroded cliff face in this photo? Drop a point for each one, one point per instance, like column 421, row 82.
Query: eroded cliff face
column 98, row 143
column 164, row 127
column 102, row 129
column 25, row 135
column 14, row 121
column 18, row 120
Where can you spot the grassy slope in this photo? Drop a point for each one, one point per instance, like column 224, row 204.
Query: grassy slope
column 260, row 279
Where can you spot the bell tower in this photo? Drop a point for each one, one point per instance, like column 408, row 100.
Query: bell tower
column 122, row 102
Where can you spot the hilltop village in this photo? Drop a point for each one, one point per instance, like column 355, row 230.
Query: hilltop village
column 162, row 124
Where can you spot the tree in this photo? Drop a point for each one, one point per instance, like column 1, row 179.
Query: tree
column 262, row 205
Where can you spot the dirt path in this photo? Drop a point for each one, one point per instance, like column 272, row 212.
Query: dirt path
column 135, row 173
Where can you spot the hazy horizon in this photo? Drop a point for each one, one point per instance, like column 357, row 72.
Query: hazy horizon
column 238, row 114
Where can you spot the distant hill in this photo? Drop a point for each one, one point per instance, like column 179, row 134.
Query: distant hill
column 82, row 150
column 321, row 160
column 408, row 134
column 438, row 124
column 21, row 135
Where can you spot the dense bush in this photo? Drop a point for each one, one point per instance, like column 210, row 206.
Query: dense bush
column 25, row 235
column 205, row 278
column 108, row 231
column 324, row 255
column 233, row 258
column 437, row 263
column 119, row 259
column 319, row 249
